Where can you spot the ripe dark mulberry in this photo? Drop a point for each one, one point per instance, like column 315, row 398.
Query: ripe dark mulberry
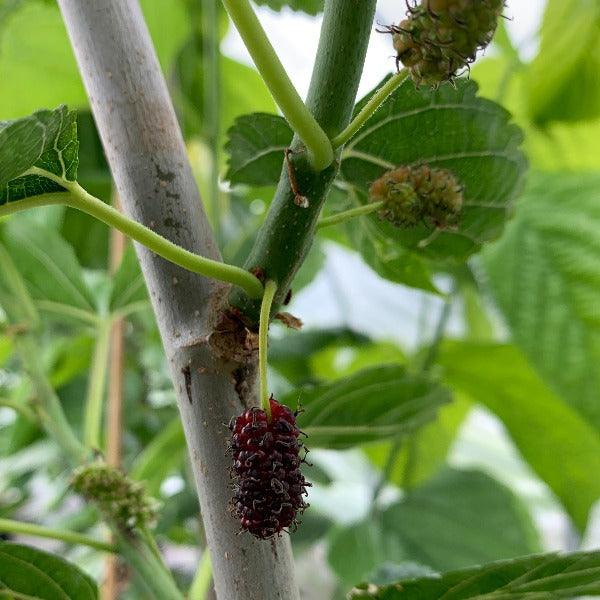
column 440, row 37
column 269, row 487
column 411, row 195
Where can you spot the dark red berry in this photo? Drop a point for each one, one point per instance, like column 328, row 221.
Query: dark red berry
column 269, row 487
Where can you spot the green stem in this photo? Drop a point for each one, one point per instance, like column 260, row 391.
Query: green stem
column 94, row 401
column 346, row 215
column 388, row 467
column 86, row 316
column 151, row 571
column 287, row 233
column 77, row 197
column 440, row 330
column 19, row 407
column 201, row 584
column 263, row 340
column 283, row 91
column 70, row 537
column 376, row 100
column 212, row 100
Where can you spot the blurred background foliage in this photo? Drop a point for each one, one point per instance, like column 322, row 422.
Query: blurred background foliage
column 508, row 467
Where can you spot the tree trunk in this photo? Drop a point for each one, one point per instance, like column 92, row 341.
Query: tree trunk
column 146, row 152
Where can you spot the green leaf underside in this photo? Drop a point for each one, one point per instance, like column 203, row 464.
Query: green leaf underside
column 129, row 286
column 387, row 258
column 312, row 7
column 48, row 265
column 529, row 578
column 372, row 405
column 48, row 140
column 447, row 128
column 28, row 573
column 545, row 275
column 256, row 145
column 499, row 377
column 457, row 519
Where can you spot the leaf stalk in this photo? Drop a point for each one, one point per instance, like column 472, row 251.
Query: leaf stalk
column 79, row 198
column 277, row 80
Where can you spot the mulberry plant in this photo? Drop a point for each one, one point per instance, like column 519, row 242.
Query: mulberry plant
column 416, row 178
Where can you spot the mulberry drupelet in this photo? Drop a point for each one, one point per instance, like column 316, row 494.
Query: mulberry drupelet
column 269, row 487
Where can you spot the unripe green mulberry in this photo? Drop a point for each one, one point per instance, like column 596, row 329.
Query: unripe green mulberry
column 120, row 499
column 440, row 37
column 412, row 195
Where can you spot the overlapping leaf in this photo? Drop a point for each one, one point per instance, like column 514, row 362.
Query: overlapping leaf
column 256, row 145
column 528, row 578
column 457, row 519
column 48, row 140
column 545, row 274
column 371, row 405
column 28, row 573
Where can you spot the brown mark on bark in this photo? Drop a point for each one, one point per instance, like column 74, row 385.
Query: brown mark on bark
column 187, row 375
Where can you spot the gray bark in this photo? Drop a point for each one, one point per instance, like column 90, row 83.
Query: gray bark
column 147, row 156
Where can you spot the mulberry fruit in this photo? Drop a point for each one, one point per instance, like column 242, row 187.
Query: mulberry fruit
column 411, row 195
column 440, row 37
column 269, row 487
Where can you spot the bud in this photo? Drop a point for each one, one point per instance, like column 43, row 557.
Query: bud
column 120, row 499
column 418, row 194
column 440, row 37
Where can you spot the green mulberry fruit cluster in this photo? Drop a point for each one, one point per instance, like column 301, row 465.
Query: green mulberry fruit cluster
column 121, row 500
column 440, row 37
column 412, row 195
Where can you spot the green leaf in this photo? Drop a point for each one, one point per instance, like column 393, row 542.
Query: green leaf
column 46, row 139
column 456, row 130
column 387, row 258
column 342, row 360
column 371, row 405
column 48, row 265
column 164, row 454
column 256, row 145
column 457, row 519
column 129, row 286
column 425, row 451
column 499, row 377
column 562, row 81
column 529, row 578
column 30, row 574
column 292, row 355
column 312, row 7
column 40, row 70
column 545, row 275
